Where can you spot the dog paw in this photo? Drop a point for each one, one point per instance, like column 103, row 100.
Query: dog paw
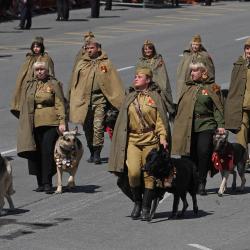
column 220, row 194
column 58, row 191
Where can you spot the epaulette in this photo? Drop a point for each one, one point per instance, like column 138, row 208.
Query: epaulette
column 216, row 88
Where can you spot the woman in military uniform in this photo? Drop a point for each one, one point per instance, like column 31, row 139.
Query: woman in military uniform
column 199, row 114
column 142, row 125
column 26, row 73
column 150, row 59
column 195, row 52
column 42, row 116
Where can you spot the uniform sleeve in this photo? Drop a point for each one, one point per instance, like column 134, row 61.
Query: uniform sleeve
column 59, row 104
column 160, row 128
column 219, row 118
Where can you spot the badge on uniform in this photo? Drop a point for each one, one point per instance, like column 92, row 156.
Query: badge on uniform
column 150, row 101
column 104, row 69
column 204, row 92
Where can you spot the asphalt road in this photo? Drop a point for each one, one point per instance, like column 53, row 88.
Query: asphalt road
column 96, row 215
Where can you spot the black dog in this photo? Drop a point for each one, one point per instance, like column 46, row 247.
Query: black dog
column 111, row 117
column 226, row 157
column 160, row 165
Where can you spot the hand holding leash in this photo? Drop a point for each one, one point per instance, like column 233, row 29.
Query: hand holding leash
column 62, row 128
column 221, row 131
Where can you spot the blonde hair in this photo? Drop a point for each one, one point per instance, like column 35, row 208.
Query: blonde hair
column 197, row 65
column 40, row 65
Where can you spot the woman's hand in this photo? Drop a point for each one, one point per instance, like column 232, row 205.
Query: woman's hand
column 164, row 143
column 62, row 128
column 221, row 130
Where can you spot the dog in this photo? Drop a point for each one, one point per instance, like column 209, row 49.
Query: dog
column 67, row 154
column 6, row 184
column 110, row 120
column 226, row 157
column 178, row 176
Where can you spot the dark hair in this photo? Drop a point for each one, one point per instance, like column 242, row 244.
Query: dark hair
column 151, row 46
column 38, row 44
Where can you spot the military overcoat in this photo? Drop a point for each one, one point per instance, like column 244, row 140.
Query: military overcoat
column 235, row 98
column 183, row 71
column 120, row 137
column 182, row 129
column 79, row 94
column 25, row 74
column 26, row 146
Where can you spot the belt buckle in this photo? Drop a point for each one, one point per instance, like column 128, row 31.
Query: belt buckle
column 39, row 106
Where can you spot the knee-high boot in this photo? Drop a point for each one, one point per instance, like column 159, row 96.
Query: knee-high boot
column 137, row 197
column 91, row 158
column 146, row 204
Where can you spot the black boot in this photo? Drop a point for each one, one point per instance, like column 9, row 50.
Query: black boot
column 137, row 197
column 146, row 204
column 40, row 186
column 97, row 152
column 91, row 158
column 201, row 189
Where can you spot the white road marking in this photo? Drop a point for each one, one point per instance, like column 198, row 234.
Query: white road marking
column 129, row 67
column 242, row 38
column 8, row 151
column 198, row 246
column 166, row 195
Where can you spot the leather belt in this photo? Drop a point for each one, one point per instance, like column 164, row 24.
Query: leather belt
column 40, row 106
column 142, row 131
column 201, row 116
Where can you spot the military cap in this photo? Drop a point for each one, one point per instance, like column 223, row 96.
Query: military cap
column 38, row 39
column 148, row 42
column 196, row 39
column 247, row 43
column 88, row 35
column 145, row 71
column 92, row 40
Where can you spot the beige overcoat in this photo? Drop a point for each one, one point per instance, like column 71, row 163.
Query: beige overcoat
column 182, row 130
column 25, row 74
column 235, row 98
column 79, row 94
column 26, row 146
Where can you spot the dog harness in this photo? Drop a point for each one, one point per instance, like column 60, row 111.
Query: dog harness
column 65, row 161
column 223, row 162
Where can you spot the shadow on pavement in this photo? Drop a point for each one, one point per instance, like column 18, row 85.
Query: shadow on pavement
column 83, row 189
column 188, row 215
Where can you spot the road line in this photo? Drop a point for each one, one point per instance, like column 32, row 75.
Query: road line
column 8, row 151
column 62, row 42
column 198, row 246
column 124, row 28
column 129, row 67
column 166, row 195
column 81, row 34
column 198, row 13
column 149, row 23
column 241, row 38
column 230, row 9
column 179, row 18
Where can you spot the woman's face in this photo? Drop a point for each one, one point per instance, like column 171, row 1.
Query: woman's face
column 195, row 47
column 36, row 49
column 247, row 52
column 141, row 81
column 196, row 74
column 40, row 73
column 148, row 51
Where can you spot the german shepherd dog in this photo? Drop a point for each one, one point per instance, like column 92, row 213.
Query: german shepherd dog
column 182, row 174
column 226, row 157
column 6, row 186
column 67, row 154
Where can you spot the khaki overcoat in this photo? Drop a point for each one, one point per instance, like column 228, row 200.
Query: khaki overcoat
column 117, row 157
column 26, row 146
column 182, row 129
column 235, row 98
column 183, row 71
column 25, row 74
column 79, row 94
